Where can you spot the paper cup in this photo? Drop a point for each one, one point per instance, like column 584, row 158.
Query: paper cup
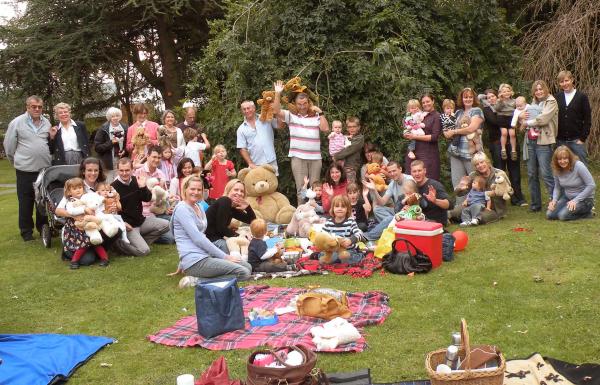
column 185, row 379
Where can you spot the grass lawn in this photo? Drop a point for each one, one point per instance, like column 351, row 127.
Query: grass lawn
column 133, row 298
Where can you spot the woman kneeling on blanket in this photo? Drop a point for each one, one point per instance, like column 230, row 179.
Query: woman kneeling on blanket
column 198, row 256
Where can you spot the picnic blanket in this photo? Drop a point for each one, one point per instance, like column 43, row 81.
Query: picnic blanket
column 369, row 308
column 363, row 269
column 285, row 274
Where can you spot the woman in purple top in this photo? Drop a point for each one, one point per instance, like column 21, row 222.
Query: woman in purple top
column 427, row 145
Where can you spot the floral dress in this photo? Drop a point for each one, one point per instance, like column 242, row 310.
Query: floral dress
column 73, row 238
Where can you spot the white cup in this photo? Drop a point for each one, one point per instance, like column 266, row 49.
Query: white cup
column 185, row 379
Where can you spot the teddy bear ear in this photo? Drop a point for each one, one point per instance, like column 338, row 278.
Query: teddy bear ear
column 243, row 172
column 269, row 168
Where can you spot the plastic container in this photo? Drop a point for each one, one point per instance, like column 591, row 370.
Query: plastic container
column 264, row 321
column 427, row 236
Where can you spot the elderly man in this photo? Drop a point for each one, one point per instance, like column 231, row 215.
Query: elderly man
column 26, row 146
column 255, row 138
column 305, row 141
column 189, row 121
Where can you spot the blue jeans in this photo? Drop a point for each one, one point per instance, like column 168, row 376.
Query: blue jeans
column 384, row 216
column 355, row 257
column 538, row 165
column 578, row 149
column 167, row 238
column 562, row 213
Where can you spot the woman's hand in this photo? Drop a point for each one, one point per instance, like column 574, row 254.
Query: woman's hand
column 327, row 189
column 552, row 205
column 240, row 203
column 179, row 271
column 233, row 258
column 571, row 205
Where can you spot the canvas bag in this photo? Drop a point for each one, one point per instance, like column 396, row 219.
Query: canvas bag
column 218, row 307
column 410, row 260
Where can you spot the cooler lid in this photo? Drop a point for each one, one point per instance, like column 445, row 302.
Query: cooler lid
column 418, row 227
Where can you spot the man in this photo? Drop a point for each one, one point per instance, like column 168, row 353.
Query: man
column 26, row 146
column 574, row 116
column 394, row 193
column 305, row 141
column 189, row 120
column 141, row 231
column 150, row 170
column 352, row 155
column 438, row 201
column 255, row 138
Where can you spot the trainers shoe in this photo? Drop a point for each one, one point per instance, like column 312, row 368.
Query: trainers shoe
column 188, row 281
column 503, row 155
column 475, row 222
column 74, row 266
column 464, row 224
column 104, row 263
column 513, row 156
column 523, row 204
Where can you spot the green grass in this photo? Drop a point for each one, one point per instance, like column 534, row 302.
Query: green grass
column 133, row 298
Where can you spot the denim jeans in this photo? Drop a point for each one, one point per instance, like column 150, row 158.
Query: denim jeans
column 384, row 216
column 578, row 149
column 355, row 257
column 167, row 238
column 538, row 165
column 562, row 213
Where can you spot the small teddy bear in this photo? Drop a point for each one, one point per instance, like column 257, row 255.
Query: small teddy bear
column 328, row 244
column 266, row 106
column 91, row 225
column 374, row 172
column 160, row 201
column 501, row 188
column 304, row 217
column 140, row 141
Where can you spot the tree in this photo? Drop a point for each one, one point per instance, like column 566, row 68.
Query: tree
column 364, row 58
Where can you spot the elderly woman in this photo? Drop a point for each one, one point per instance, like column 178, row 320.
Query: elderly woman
column 483, row 167
column 70, row 144
column 231, row 205
column 170, row 134
column 461, row 155
column 541, row 135
column 574, row 187
column 426, row 148
column 140, row 112
column 109, row 141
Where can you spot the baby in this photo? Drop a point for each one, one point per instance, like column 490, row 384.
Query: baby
column 262, row 258
column 534, row 111
column 317, row 188
column 337, row 140
column 109, row 210
column 411, row 203
column 413, row 124
column 475, row 202
column 449, row 119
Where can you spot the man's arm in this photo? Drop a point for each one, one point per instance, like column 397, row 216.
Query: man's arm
column 278, row 87
column 10, row 142
column 587, row 118
column 246, row 155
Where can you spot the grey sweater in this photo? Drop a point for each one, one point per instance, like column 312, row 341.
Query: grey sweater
column 578, row 184
column 505, row 107
column 26, row 149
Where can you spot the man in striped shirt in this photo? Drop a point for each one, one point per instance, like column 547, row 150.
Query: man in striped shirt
column 305, row 140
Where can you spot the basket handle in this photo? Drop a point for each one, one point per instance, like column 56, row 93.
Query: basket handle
column 293, row 347
column 466, row 344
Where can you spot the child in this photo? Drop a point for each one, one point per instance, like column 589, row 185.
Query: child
column 360, row 206
column 109, row 211
column 505, row 108
column 221, row 170
column 341, row 224
column 475, row 202
column 337, row 140
column 377, row 157
column 317, row 188
column 193, row 148
column 534, row 111
column 449, row 119
column 260, row 257
column 75, row 240
column 411, row 203
column 167, row 166
column 413, row 124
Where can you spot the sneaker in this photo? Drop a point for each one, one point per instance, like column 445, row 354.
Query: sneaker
column 513, row 156
column 523, row 204
column 104, row 263
column 503, row 155
column 74, row 266
column 188, row 281
column 475, row 222
column 465, row 224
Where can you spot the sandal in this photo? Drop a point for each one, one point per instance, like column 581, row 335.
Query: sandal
column 513, row 156
column 503, row 155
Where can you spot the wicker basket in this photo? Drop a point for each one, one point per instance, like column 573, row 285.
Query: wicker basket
column 468, row 377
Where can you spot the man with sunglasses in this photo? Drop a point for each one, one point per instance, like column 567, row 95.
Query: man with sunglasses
column 26, row 146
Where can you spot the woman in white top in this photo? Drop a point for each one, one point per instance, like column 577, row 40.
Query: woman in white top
column 70, row 144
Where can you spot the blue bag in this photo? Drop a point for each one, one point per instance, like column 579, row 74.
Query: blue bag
column 218, row 307
column 448, row 247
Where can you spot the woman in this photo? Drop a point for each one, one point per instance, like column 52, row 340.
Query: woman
column 513, row 167
column 574, row 187
column 170, row 134
column 426, row 148
column 335, row 184
column 140, row 112
column 184, row 169
column 231, row 205
column 70, row 144
column 538, row 151
column 198, row 256
column 109, row 141
column 483, row 167
column 460, row 157
column 91, row 172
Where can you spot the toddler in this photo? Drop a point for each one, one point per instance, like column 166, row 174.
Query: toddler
column 260, row 257
column 221, row 169
column 110, row 209
column 193, row 148
column 413, row 124
column 360, row 205
column 342, row 225
column 167, row 165
column 534, row 111
column 337, row 140
column 505, row 109
column 411, row 205
column 75, row 239
column 475, row 202
column 449, row 119
column 317, row 188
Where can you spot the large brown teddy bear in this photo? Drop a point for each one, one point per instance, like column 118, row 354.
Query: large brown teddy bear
column 261, row 193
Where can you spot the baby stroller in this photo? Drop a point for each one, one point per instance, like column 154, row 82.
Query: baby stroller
column 49, row 190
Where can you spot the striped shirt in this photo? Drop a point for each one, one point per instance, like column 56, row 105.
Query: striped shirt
column 346, row 229
column 305, row 141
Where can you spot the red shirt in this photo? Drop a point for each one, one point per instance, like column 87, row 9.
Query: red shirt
column 220, row 178
column 339, row 189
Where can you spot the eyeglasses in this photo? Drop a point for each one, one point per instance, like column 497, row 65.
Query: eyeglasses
column 35, row 107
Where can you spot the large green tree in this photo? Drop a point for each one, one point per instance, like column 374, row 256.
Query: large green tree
column 364, row 58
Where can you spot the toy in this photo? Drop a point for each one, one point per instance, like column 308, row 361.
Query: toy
column 465, row 184
column 140, row 141
column 303, row 219
column 293, row 87
column 238, row 247
column 374, row 173
column 163, row 137
column 501, row 188
column 261, row 193
column 160, row 201
column 328, row 244
column 412, row 212
column 266, row 106
column 91, row 225
column 460, row 240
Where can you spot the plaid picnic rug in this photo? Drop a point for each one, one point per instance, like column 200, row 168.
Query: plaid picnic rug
column 369, row 308
column 286, row 274
column 363, row 269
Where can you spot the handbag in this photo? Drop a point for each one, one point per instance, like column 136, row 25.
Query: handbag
column 218, row 307
column 290, row 375
column 217, row 374
column 406, row 261
column 319, row 305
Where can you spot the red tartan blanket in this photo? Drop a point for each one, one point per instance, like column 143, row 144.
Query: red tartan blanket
column 364, row 269
column 370, row 308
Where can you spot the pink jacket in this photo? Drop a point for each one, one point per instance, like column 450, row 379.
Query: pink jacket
column 151, row 129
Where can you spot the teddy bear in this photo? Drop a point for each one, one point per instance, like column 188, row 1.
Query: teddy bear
column 95, row 202
column 302, row 220
column 328, row 244
column 91, row 224
column 374, row 172
column 160, row 201
column 266, row 106
column 261, row 193
column 238, row 247
column 501, row 188
column 474, row 138
column 140, row 141
column 163, row 137
column 293, row 87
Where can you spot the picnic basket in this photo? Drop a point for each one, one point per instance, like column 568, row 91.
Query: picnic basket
column 468, row 376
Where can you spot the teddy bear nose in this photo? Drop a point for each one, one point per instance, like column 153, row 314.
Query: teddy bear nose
column 261, row 186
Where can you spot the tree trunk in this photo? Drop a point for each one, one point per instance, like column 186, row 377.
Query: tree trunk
column 172, row 92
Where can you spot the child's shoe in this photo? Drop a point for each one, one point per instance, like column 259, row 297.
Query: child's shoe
column 503, row 154
column 104, row 263
column 412, row 155
column 513, row 156
column 74, row 265
column 475, row 222
column 465, row 224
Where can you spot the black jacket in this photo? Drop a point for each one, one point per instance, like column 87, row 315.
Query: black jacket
column 574, row 120
column 57, row 148
column 132, row 197
column 104, row 146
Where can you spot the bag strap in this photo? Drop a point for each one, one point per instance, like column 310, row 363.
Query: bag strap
column 278, row 359
column 408, row 243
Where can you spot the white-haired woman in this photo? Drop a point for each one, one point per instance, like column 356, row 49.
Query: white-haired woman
column 109, row 141
column 70, row 144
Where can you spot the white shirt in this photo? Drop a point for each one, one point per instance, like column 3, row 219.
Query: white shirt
column 569, row 96
column 69, row 137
